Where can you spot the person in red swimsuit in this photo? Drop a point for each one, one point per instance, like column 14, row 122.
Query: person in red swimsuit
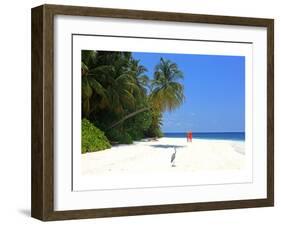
column 190, row 136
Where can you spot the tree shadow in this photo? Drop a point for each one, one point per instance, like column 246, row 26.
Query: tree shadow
column 166, row 146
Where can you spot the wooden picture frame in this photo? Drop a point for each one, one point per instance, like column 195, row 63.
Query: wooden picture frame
column 42, row 203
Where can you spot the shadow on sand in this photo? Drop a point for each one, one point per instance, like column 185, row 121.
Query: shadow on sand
column 166, row 146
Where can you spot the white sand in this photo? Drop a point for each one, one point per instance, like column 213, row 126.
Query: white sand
column 155, row 156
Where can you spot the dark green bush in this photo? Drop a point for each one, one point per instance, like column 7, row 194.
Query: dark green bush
column 136, row 134
column 154, row 129
column 126, row 139
column 137, row 125
column 154, row 132
column 115, row 135
column 93, row 139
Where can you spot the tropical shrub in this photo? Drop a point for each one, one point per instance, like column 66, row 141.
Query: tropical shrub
column 93, row 139
column 125, row 138
column 114, row 135
column 118, row 136
column 136, row 126
column 154, row 129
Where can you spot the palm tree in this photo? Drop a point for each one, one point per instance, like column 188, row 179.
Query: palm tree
column 110, row 82
column 121, row 86
column 91, row 83
column 167, row 92
column 138, row 72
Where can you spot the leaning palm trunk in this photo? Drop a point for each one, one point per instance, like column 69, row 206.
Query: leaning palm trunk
column 128, row 116
column 166, row 94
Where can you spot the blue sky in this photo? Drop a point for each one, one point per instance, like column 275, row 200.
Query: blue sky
column 214, row 87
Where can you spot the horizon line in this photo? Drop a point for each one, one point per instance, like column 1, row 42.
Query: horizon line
column 208, row 132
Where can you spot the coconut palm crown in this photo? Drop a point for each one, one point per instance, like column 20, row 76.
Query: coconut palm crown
column 167, row 93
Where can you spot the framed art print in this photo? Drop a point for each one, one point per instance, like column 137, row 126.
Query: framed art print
column 141, row 112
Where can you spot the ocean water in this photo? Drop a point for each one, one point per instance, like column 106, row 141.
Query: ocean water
column 239, row 136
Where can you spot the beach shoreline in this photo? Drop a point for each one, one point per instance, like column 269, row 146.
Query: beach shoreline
column 155, row 156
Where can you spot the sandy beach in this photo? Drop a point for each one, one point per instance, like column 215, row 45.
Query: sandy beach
column 155, row 155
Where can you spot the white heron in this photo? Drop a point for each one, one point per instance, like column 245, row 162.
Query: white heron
column 173, row 158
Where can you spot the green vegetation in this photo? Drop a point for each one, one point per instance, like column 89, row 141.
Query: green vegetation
column 92, row 138
column 119, row 98
column 154, row 130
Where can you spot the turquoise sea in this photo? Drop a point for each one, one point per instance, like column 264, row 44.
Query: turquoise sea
column 239, row 136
